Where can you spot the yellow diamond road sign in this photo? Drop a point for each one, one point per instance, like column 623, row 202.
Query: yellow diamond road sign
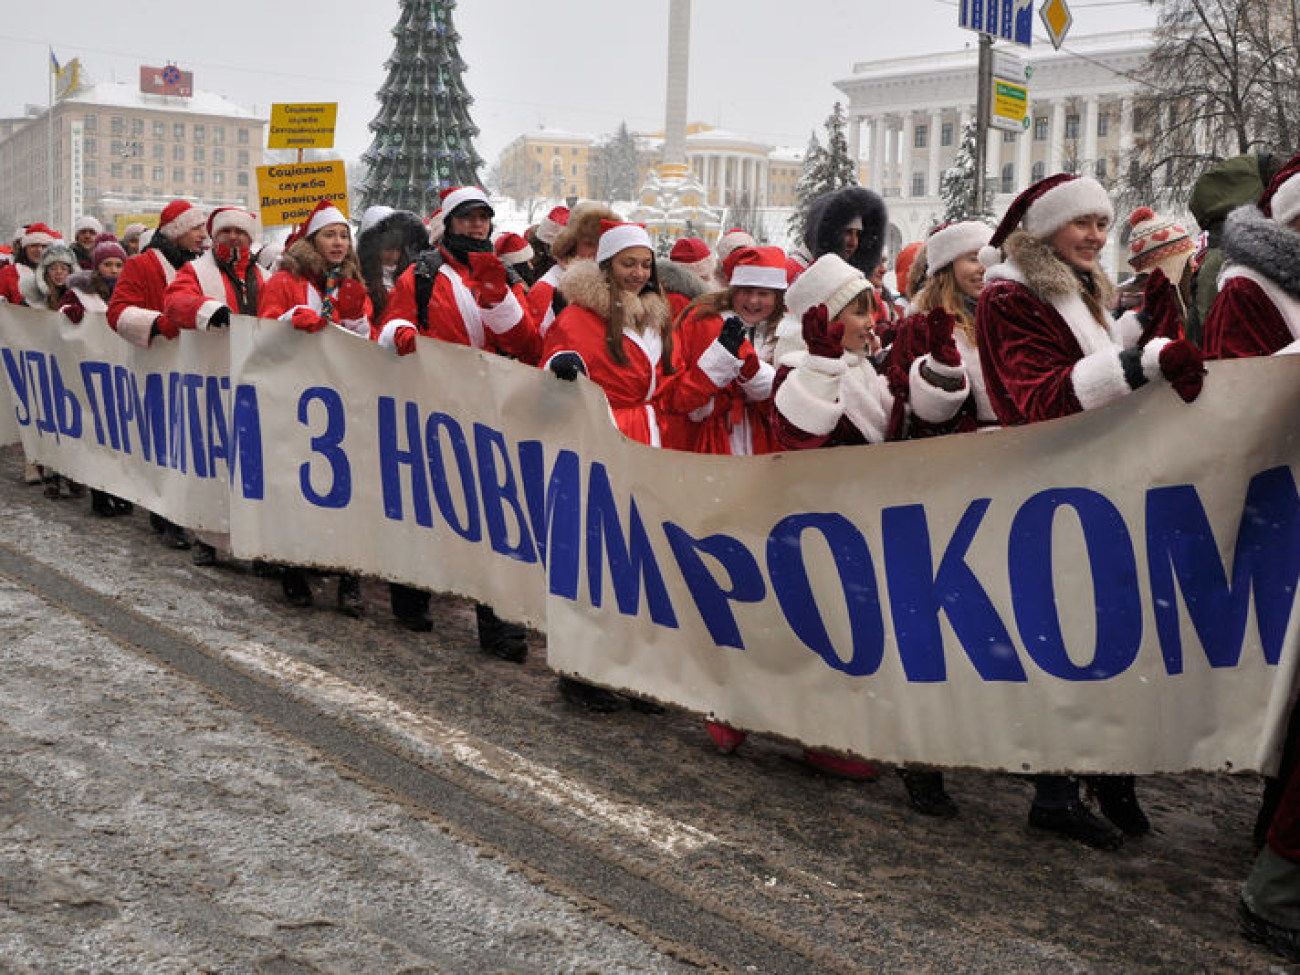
column 1057, row 19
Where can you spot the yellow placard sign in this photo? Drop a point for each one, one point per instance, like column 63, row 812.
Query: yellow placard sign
column 1010, row 105
column 288, row 192
column 302, row 126
column 124, row 220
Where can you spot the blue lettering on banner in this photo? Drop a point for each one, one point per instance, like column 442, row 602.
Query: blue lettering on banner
column 630, row 557
column 468, row 528
column 744, row 578
column 554, row 513
column 501, row 506
column 327, row 444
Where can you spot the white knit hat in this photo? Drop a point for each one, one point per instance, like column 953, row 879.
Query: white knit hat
column 951, row 240
column 87, row 222
column 830, row 281
column 733, row 240
column 616, row 237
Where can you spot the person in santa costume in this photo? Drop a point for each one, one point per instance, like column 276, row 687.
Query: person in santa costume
column 318, row 285
column 542, row 238
column 1049, row 348
column 616, row 329
column 1257, row 311
column 576, row 240
column 849, row 222
column 472, row 299
column 516, row 254
column 136, row 310
column 28, row 249
column 693, row 256
column 225, row 280
column 84, row 231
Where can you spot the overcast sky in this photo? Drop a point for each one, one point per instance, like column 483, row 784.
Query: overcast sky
column 761, row 67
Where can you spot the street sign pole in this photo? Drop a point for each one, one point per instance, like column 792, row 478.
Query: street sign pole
column 983, row 103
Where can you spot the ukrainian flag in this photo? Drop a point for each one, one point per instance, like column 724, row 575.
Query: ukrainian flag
column 54, row 63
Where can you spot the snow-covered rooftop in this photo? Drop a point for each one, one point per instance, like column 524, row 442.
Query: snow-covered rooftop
column 121, row 95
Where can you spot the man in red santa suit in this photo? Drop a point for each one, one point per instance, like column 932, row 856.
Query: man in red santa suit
column 224, row 281
column 473, row 300
column 1049, row 348
column 135, row 311
column 30, row 246
column 1257, row 311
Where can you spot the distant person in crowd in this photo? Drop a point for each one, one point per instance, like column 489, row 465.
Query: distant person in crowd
column 576, row 240
column 907, row 282
column 135, row 311
column 29, row 246
column 680, row 285
column 516, row 254
column 318, row 285
column 887, row 313
column 1157, row 241
column 388, row 243
column 84, row 232
column 542, row 238
column 92, row 291
column 225, row 280
column 45, row 289
column 849, row 222
column 617, row 329
column 1257, row 311
column 730, row 242
column 1049, row 348
column 1225, row 186
column 693, row 255
column 131, row 238
column 460, row 292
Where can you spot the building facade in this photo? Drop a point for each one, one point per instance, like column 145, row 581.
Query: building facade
column 906, row 118
column 547, row 164
column 108, row 149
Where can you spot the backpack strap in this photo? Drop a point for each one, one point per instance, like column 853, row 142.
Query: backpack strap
column 427, row 266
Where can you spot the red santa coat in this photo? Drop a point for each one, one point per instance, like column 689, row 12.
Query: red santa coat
column 541, row 298
column 1254, row 314
column 11, row 283
column 736, row 419
column 644, row 402
column 454, row 314
column 200, row 288
column 1043, row 353
column 286, row 291
column 935, row 411
column 138, row 297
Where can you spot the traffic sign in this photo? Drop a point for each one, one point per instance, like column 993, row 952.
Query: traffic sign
column 1057, row 19
column 1010, row 20
column 1010, row 106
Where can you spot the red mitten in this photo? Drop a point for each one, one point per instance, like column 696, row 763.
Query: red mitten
column 75, row 311
column 942, row 346
column 166, row 329
column 822, row 336
column 490, row 275
column 1183, row 365
column 1162, row 312
column 306, row 320
column 749, row 366
column 404, row 339
column 350, row 301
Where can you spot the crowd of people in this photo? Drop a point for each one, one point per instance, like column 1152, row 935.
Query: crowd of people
column 741, row 348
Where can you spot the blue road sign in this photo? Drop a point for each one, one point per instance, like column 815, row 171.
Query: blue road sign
column 1011, row 20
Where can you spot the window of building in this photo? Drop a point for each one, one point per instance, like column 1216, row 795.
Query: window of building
column 573, row 170
column 219, row 156
column 200, row 131
column 88, row 168
column 118, row 125
column 159, row 151
column 90, row 147
column 1038, row 172
column 243, row 157
column 178, row 174
column 1103, row 125
column 1040, row 128
column 573, row 152
column 159, row 130
column 137, row 171
column 1101, row 170
column 90, row 123
column 178, row 130
column 241, row 179
column 1009, row 136
column 156, row 174
column 116, row 170
column 920, row 137
column 945, row 134
column 243, row 137
column 918, row 184
column 137, row 126
column 219, row 134
column 178, row 153
column 1072, row 126
column 199, row 154
column 218, row 178
column 115, row 148
column 197, row 176
column 1008, row 178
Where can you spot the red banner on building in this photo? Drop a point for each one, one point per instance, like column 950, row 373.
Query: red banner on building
column 170, row 80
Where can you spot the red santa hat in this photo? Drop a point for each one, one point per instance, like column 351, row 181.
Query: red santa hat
column 1281, row 200
column 694, row 255
column 179, row 217
column 325, row 214
column 551, row 225
column 1158, row 241
column 904, row 261
column 87, row 222
column 513, row 249
column 223, row 217
column 1046, row 207
column 616, row 237
column 452, row 199
column 949, row 241
column 38, row 233
column 732, row 241
column 830, row 281
column 756, row 267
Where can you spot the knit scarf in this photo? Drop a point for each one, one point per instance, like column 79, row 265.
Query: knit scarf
column 330, row 291
column 245, row 287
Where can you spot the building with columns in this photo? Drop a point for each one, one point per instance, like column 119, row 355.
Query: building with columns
column 906, row 116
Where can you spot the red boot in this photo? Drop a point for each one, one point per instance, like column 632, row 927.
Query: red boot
column 845, row 768
column 727, row 739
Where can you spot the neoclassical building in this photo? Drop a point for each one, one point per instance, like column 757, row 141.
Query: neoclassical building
column 906, row 117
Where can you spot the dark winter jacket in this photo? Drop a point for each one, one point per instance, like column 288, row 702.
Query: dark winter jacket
column 830, row 213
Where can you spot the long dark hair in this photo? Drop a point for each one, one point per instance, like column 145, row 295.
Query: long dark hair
column 618, row 316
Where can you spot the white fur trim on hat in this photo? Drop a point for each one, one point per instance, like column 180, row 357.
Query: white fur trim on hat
column 757, row 276
column 183, row 223
column 324, row 217
column 37, row 237
column 619, row 238
column 1286, row 201
column 551, row 226
column 373, row 215
column 732, row 241
column 949, row 243
column 463, row 194
column 1080, row 197
column 87, row 223
column 237, row 218
column 830, row 281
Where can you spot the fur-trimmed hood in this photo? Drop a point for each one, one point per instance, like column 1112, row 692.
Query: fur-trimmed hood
column 35, row 288
column 1265, row 246
column 830, row 213
column 401, row 229
column 677, row 280
column 584, row 284
column 303, row 259
column 1045, row 274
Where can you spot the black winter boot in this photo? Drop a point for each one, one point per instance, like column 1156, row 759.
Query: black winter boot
column 297, row 588
column 499, row 638
column 1116, row 797
column 925, row 792
column 589, row 696
column 350, row 601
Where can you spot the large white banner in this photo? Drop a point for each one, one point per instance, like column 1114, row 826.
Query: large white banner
column 1108, row 592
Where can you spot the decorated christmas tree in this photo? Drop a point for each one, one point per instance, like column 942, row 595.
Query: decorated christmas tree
column 423, row 134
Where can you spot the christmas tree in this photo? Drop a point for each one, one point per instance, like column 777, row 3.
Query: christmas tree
column 957, row 184
column 824, row 170
column 423, row 134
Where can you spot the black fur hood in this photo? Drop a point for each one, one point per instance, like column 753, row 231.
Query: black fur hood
column 831, row 212
column 1263, row 245
column 401, row 229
